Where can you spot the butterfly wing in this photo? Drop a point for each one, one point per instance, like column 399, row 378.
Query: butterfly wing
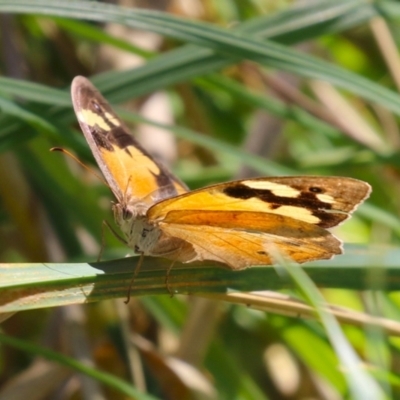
column 129, row 170
column 321, row 201
column 242, row 238
column 243, row 223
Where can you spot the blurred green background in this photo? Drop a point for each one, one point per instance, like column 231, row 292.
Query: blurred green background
column 219, row 90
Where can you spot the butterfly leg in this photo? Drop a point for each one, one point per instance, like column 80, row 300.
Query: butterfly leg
column 135, row 273
column 167, row 279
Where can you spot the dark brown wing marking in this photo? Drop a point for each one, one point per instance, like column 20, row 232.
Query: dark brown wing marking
column 306, row 200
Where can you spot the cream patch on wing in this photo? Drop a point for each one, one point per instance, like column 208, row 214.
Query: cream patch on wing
column 90, row 118
column 112, row 118
column 276, row 188
column 325, row 198
column 299, row 213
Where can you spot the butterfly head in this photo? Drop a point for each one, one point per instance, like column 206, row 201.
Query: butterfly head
column 126, row 212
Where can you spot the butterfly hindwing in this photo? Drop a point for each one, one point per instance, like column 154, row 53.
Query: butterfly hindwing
column 242, row 238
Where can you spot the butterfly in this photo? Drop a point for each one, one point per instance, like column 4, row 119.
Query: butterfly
column 239, row 224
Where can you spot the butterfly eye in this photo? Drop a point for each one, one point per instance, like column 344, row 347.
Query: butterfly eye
column 126, row 214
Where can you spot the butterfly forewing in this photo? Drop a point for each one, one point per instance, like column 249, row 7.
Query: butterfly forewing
column 127, row 167
column 322, row 201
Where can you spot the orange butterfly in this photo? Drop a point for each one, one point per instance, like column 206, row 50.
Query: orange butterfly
column 239, row 223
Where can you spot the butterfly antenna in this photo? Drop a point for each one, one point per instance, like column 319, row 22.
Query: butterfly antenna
column 135, row 273
column 69, row 154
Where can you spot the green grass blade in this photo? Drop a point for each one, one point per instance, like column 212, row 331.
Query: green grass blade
column 29, row 286
column 233, row 45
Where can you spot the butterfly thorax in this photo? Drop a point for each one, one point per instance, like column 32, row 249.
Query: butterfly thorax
column 139, row 233
column 147, row 237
